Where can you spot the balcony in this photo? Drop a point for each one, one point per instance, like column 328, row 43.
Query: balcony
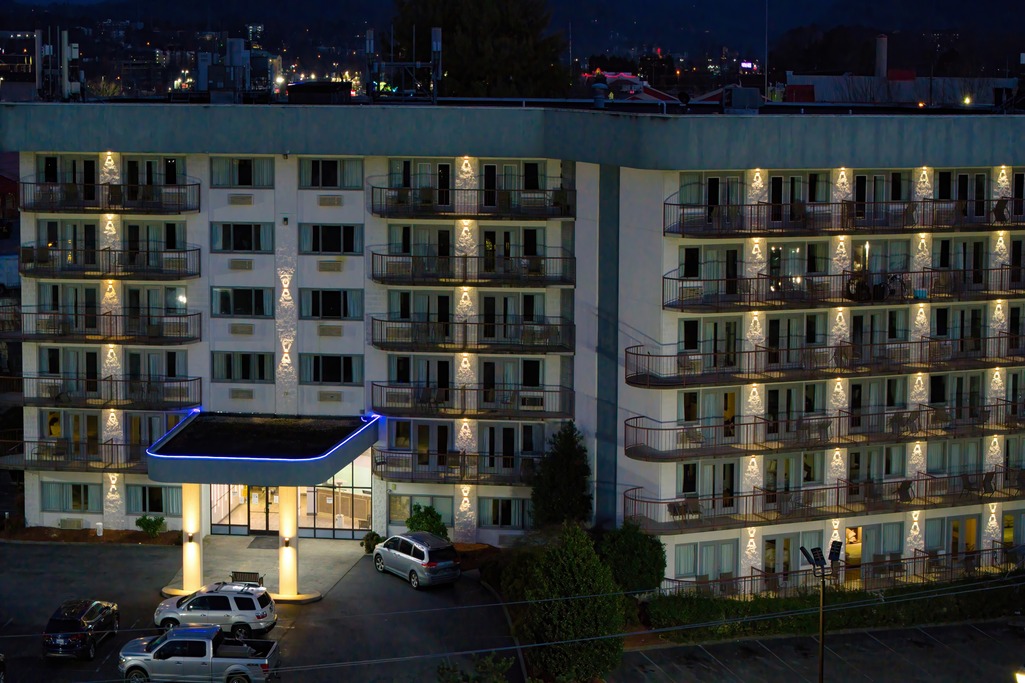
column 839, row 218
column 73, row 456
column 672, row 441
column 500, row 334
column 421, row 197
column 454, row 467
column 484, row 271
column 158, row 197
column 673, row 367
column 26, row 323
column 511, row 401
column 850, row 288
column 83, row 391
column 844, row 499
column 882, row 573
column 136, row 263
column 956, row 419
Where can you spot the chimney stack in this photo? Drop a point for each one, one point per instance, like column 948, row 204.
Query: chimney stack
column 881, row 56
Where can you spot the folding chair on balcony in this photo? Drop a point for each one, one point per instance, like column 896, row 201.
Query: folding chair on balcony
column 988, row 485
column 904, row 494
column 1000, row 210
column 692, row 509
column 702, row 584
column 970, row 486
column 727, row 586
column 908, row 217
column 1019, row 482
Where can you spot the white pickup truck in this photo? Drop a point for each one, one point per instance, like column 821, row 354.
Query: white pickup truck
column 198, row 653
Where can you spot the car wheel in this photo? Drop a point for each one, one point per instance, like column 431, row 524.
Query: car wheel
column 414, row 580
column 379, row 563
column 168, row 624
column 238, row 678
column 136, row 676
column 90, row 651
column 241, row 631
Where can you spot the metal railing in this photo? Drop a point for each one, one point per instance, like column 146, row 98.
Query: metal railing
column 158, row 197
column 676, row 440
column 501, row 334
column 454, row 467
column 424, row 197
column 67, row 455
column 138, row 262
column 672, row 366
column 500, row 400
column 845, row 217
column 84, row 391
column 524, row 271
column 144, row 326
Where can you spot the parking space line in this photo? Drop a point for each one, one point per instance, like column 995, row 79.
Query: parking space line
column 842, row 659
column 957, row 654
column 983, row 632
column 869, row 634
column 657, row 667
column 785, row 663
column 720, row 663
column 8, row 623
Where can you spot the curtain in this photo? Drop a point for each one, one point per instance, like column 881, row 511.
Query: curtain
column 222, row 365
column 810, row 539
column 709, row 555
column 686, row 559
column 690, row 188
column 134, row 499
column 306, row 237
column 934, row 534
column 305, row 368
column 173, row 501
column 727, row 557
column 52, row 496
column 351, row 174
column 220, row 172
column 486, row 508
column 893, row 537
column 352, row 304
column 263, row 172
column 870, row 543
column 936, row 461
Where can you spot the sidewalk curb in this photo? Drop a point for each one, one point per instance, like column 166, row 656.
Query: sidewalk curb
column 508, row 621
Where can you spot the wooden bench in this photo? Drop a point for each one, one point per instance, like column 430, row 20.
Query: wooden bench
column 247, row 577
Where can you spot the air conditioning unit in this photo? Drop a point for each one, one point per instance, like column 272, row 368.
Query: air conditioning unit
column 240, row 264
column 242, row 394
column 241, row 328
column 240, row 200
column 329, row 396
column 329, row 330
column 329, row 266
column 329, row 200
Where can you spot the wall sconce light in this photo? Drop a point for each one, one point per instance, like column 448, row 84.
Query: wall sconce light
column 285, row 155
column 751, row 532
column 288, row 541
column 285, row 220
column 191, row 537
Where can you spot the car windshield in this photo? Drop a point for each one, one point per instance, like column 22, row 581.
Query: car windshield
column 63, row 626
column 182, row 601
column 263, row 599
column 155, row 643
column 446, row 554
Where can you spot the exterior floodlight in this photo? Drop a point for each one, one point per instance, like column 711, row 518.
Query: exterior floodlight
column 807, row 556
column 1019, row 675
column 834, row 551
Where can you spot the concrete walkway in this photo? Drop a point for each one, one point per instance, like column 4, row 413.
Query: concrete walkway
column 322, row 563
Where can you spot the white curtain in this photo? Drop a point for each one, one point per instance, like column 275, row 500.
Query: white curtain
column 686, row 559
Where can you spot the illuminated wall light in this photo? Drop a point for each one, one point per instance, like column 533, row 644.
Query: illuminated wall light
column 112, row 422
column 921, row 322
column 996, row 384
column 466, row 439
column 838, row 399
column 916, row 463
column 923, row 186
column 754, row 401
column 841, row 257
column 286, row 280
column 755, row 332
column 918, row 393
column 464, row 504
column 840, row 330
column 286, row 348
column 1000, row 253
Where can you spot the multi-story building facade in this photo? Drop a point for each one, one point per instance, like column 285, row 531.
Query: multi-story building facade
column 773, row 331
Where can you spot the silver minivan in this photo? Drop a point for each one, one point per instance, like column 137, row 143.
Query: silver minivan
column 419, row 557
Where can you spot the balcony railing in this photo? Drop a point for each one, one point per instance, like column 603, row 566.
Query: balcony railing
column 674, row 367
column 883, row 572
column 85, row 326
column 73, row 197
column 487, row 270
column 81, row 456
column 501, row 334
column 135, row 263
column 846, row 498
column 841, row 218
column 514, row 401
column 83, row 391
column 455, row 467
column 651, row 440
column 850, row 288
column 423, row 198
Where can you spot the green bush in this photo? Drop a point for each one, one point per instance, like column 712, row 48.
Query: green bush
column 426, row 518
column 490, row 669
column 370, row 541
column 637, row 560
column 151, row 525
column 569, row 568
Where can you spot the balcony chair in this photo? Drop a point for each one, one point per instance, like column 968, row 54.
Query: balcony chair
column 798, row 214
column 115, row 196
column 772, row 583
column 702, row 584
column 942, row 285
column 969, row 486
column 988, row 485
column 1000, row 210
column 1019, row 483
column 692, row 506
column 727, row 585
column 908, row 217
column 940, row 419
column 675, row 510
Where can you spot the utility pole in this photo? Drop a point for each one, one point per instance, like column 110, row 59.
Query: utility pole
column 820, row 570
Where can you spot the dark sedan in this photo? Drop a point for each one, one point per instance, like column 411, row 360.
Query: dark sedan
column 77, row 626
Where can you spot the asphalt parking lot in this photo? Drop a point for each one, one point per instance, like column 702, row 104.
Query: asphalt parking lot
column 364, row 617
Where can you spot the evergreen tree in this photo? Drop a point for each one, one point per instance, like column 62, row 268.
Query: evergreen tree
column 561, row 486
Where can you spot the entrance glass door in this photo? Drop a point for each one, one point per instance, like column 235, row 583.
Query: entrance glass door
column 263, row 509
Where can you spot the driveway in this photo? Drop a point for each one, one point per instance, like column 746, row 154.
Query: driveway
column 363, row 616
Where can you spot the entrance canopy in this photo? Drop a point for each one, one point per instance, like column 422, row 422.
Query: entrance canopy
column 224, row 448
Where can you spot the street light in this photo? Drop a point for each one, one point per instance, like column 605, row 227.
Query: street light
column 821, row 570
column 1019, row 675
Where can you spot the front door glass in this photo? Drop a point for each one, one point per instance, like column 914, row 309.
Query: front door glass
column 263, row 509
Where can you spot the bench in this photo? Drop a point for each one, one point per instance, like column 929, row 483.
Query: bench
column 247, row 577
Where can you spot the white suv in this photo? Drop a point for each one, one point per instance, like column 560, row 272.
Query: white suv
column 239, row 608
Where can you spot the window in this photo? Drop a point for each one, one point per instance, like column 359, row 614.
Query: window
column 893, row 461
column 243, row 302
column 328, row 369
column 246, row 172
column 343, row 174
column 244, row 237
column 893, row 537
column 330, row 239
column 245, row 604
column 818, row 257
column 896, row 392
column 505, row 513
column 331, row 304
column 686, row 478
column 234, row 366
column 531, row 373
column 401, row 507
column 809, row 540
column 690, row 262
column 164, row 500
column 689, row 335
column 706, row 559
column 59, row 497
column 812, row 468
column 934, row 534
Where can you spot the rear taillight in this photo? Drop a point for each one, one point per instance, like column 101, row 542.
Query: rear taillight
column 265, row 668
column 261, row 615
column 76, row 636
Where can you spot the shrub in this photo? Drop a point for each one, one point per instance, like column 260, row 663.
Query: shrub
column 570, row 568
column 151, row 525
column 637, row 560
column 490, row 669
column 370, row 541
column 426, row 518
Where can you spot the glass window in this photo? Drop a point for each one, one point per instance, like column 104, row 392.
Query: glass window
column 330, row 239
column 256, row 172
column 220, row 603
column 331, row 304
column 405, row 547
column 242, row 302
column 342, row 174
column 242, row 237
column 61, row 497
column 507, row 513
column 163, row 500
column 328, row 369
column 686, row 559
column 810, row 539
column 230, row 366
column 245, row 604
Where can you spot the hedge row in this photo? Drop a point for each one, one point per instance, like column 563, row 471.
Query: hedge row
column 730, row 618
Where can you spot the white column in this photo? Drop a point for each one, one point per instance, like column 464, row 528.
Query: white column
column 114, row 502
column 841, row 190
column 836, row 466
column 1001, row 176
column 922, row 178
column 379, row 505
column 288, row 540
column 750, row 553
column 752, row 474
column 921, row 314
column 192, row 537
column 992, row 533
column 915, row 537
column 465, row 522
column 840, row 247
column 839, row 331
column 110, row 168
column 757, row 192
